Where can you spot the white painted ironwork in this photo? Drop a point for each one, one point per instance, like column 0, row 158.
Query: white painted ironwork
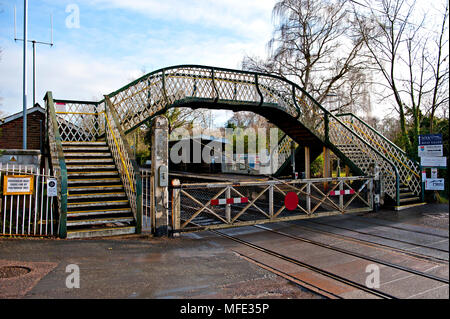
column 35, row 214
column 125, row 162
column 409, row 170
column 156, row 91
column 79, row 121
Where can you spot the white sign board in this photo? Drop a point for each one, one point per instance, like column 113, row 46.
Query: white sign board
column 430, row 150
column 52, row 187
column 426, row 161
column 434, row 184
column 434, row 173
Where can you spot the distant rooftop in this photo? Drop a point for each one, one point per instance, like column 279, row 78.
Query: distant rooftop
column 9, row 118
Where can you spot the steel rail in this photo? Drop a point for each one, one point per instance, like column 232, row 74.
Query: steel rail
column 383, row 237
column 401, row 228
column 348, row 252
column 376, row 245
column 308, row 266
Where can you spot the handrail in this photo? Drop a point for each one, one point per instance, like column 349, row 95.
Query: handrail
column 134, row 194
column 120, row 152
column 377, row 133
column 57, row 156
column 411, row 166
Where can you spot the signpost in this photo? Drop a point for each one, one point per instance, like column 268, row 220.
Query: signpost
column 434, row 184
column 430, row 151
column 438, row 162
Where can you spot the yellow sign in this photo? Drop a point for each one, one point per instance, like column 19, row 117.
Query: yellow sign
column 18, row 185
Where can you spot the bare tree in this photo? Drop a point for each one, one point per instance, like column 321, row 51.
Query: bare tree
column 315, row 45
column 440, row 70
column 248, row 120
column 394, row 33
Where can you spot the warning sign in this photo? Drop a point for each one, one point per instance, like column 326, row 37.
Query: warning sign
column 18, row 185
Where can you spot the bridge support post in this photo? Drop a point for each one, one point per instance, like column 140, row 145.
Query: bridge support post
column 307, row 162
column 160, row 178
column 326, row 166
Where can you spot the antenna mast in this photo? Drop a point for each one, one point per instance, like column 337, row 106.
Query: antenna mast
column 34, row 42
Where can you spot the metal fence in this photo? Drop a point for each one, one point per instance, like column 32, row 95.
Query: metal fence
column 221, row 205
column 33, row 214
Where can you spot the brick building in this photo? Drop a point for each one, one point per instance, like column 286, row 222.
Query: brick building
column 11, row 129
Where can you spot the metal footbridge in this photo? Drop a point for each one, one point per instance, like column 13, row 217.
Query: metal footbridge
column 79, row 125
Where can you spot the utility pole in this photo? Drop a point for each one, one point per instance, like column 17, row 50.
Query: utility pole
column 25, row 72
column 24, row 119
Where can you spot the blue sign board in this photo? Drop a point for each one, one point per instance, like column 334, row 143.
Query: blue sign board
column 430, row 139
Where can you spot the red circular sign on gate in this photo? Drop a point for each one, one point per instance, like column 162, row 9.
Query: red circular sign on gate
column 291, row 201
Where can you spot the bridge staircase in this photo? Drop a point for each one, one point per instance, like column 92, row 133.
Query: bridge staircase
column 98, row 178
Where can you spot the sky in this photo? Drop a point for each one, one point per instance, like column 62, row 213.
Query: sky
column 111, row 42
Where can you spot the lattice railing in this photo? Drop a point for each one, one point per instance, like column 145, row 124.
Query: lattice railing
column 281, row 153
column 364, row 156
column 409, row 169
column 79, row 121
column 125, row 162
column 58, row 163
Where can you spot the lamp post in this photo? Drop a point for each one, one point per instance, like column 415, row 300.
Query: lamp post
column 25, row 72
column 24, row 119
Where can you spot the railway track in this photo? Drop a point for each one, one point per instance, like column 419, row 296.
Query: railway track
column 325, row 273
column 382, row 237
column 366, row 242
column 310, row 267
column 372, row 221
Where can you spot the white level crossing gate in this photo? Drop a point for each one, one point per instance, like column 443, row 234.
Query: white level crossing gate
column 211, row 206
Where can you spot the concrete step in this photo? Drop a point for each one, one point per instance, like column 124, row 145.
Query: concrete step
column 92, row 173
column 110, row 211
column 406, row 194
column 118, row 195
column 90, row 166
column 87, row 154
column 93, row 181
column 70, row 161
column 82, row 149
column 94, row 188
column 93, row 204
column 406, row 206
column 99, row 221
column 100, row 142
column 409, row 199
column 101, row 232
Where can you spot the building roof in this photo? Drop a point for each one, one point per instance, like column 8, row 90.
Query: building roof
column 9, row 118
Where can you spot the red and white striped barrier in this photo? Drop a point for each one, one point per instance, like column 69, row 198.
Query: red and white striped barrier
column 225, row 201
column 346, row 192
